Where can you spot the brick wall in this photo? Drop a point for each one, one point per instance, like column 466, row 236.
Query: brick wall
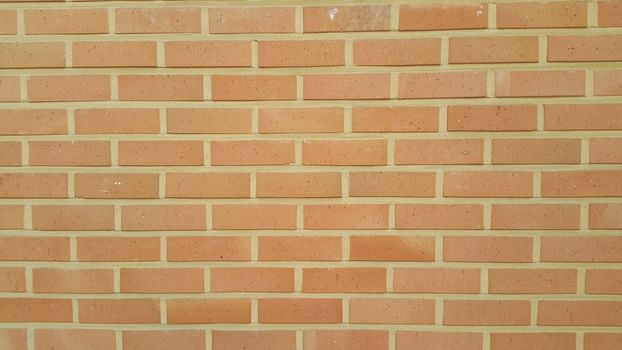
column 307, row 175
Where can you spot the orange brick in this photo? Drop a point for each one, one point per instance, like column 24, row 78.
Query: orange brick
column 442, row 85
column 32, row 55
column 346, row 216
column 158, row 20
column 73, row 217
column 606, row 150
column 577, row 48
column 439, row 216
column 535, row 341
column 299, row 248
column 298, row 185
column 492, row 118
column 70, row 153
column 264, row 152
column 58, row 88
column 116, row 185
column 397, row 52
column 94, row 339
column 24, row 248
column 252, row 279
column 536, row 151
column 487, row 184
column 579, row 313
column 258, row 340
column 165, row 339
column 10, row 153
column 344, row 152
column 253, row 217
column 486, row 312
column 605, row 216
column 602, row 341
column 114, row 54
column 581, row 249
column 608, row 82
column 224, row 20
column 163, row 217
column 253, row 87
column 609, row 15
column 481, row 49
column 554, row 14
column 391, row 248
column 208, row 248
column 33, row 122
column 118, row 249
column 438, row 151
column 150, row 153
column 532, row 281
column 392, row 184
column 117, row 121
column 180, row 87
column 603, row 281
column 436, row 280
column 301, row 53
column 583, row 117
column 392, row 311
column 535, row 216
column 162, row 280
column 438, row 340
column 487, row 249
column 12, row 279
column 299, row 310
column 66, row 21
column 11, row 217
column 10, row 89
column 346, row 339
column 370, row 86
column 300, row 120
column 208, row 120
column 353, row 18
column 551, row 83
column 34, row 185
column 197, row 311
column 208, row 185
column 395, row 119
column 15, row 339
column 344, row 280
column 589, row 183
column 35, row 310
column 83, row 281
column 208, row 53
column 8, row 22
column 443, row 16
column 113, row 311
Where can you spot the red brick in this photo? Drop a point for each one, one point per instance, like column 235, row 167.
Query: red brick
column 93, row 339
column 579, row 313
column 606, row 150
column 486, row 312
column 395, row 119
column 344, row 152
column 487, row 184
column 207, row 185
column 252, row 279
column 439, row 216
column 392, row 311
column 116, row 185
column 208, row 120
column 257, row 340
column 605, row 216
column 299, row 310
column 392, row 184
column 439, row 151
column 10, row 89
column 481, row 49
column 536, row 151
column 346, row 339
column 532, row 281
column 164, row 339
column 300, row 120
column 353, row 18
column 33, row 185
column 608, row 82
column 555, row 14
column 344, row 280
column 443, row 16
column 209, row 53
column 609, row 15
column 346, row 216
column 487, row 249
column 589, row 183
column 69, row 88
column 492, row 118
column 73, row 217
column 581, row 249
column 438, row 340
column 442, row 85
column 66, row 21
column 535, row 341
column 253, row 87
column 253, row 217
column 93, row 249
column 177, row 87
column 158, row 20
column 583, row 117
column 436, row 280
column 114, row 311
column 551, row 83
column 301, row 53
column 10, row 153
column 603, row 281
column 24, row 248
column 35, row 310
column 33, row 122
column 369, row 86
column 535, row 216
column 32, row 55
column 224, row 20
column 150, row 153
column 397, row 52
column 199, row 311
column 163, row 217
column 70, row 153
column 12, row 279
column 602, row 341
column 117, row 121
column 162, row 280
column 591, row 48
column 299, row 248
column 298, row 185
column 82, row 281
column 8, row 22
column 208, row 248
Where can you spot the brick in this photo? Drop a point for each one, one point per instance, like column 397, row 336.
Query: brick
column 151, row 153
column 35, row 310
column 12, row 279
column 163, row 217
column 486, row 312
column 492, row 118
column 299, row 310
column 114, row 54
column 344, row 152
column 8, row 20
column 397, row 52
column 299, row 248
column 208, row 185
column 301, row 53
column 223, row 20
column 551, row 83
column 371, row 86
column 11, row 217
column 536, row 151
column 487, row 184
column 589, row 183
column 535, row 216
column 258, row 340
column 608, row 82
column 32, row 55
column 116, row 185
column 112, row 249
column 73, row 217
column 436, row 280
column 602, row 341
column 161, row 340
column 487, row 249
column 15, row 339
column 161, row 280
column 117, row 121
column 114, row 311
column 346, row 216
column 442, row 85
column 443, row 16
column 605, row 216
column 439, row 151
column 158, row 20
column 391, row 248
column 197, row 311
column 33, row 122
column 70, row 153
column 535, row 341
column 10, row 89
column 578, row 48
column 395, row 119
column 66, row 21
column 264, row 152
column 68, row 88
column 392, row 184
column 179, row 87
column 95, row 339
column 208, row 248
column 439, row 216
column 10, row 153
column 438, row 340
column 24, row 248
column 346, row 339
column 392, row 311
column 344, row 280
column 298, row 185
column 300, row 120
column 579, row 313
column 606, row 150
column 583, row 117
column 252, row 279
column 353, row 18
column 207, row 53
column 208, row 120
column 609, row 15
column 82, row 281
column 532, row 281
column 33, row 185
column 253, row 217
column 603, row 281
column 253, row 87
column 555, row 14
column 581, row 249
column 481, row 49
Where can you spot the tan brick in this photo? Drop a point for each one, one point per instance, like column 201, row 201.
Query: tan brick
column 602, row 341
column 583, row 117
column 391, row 248
column 608, row 82
column 299, row 310
column 438, row 340
column 11, row 217
column 163, row 339
column 73, row 217
column 163, row 217
column 581, row 249
column 69, row 88
column 35, row 310
column 397, row 52
column 345, row 339
column 161, row 280
column 10, row 153
column 301, row 53
column 392, row 184
column 209, row 53
column 606, row 150
column 535, row 341
column 579, row 313
column 487, row 249
column 158, row 20
column 300, row 120
column 253, row 87
column 603, row 281
column 116, row 185
column 442, row 85
column 346, row 216
column 10, row 89
column 117, row 121
column 32, row 55
column 207, row 185
column 392, row 311
column 344, row 152
column 439, row 216
column 554, row 14
column 150, row 153
column 16, row 339
column 443, row 16
column 487, row 184
column 8, row 22
column 33, row 185
column 264, row 152
column 33, row 122
column 253, row 217
column 532, row 281
column 258, row 340
column 299, row 248
column 66, row 21
column 536, row 151
column 535, row 216
column 352, row 18
column 161, row 87
column 492, row 118
column 70, row 153
column 298, row 185
column 208, row 249
column 609, row 15
column 24, row 248
column 198, row 311
column 224, row 20
column 370, row 86
column 83, row 281
column 208, row 120
column 12, row 279
column 577, row 48
column 436, row 280
column 344, row 280
column 114, row 311
column 94, row 249
column 95, row 339
column 486, row 312
column 114, row 54
column 551, row 83
column 605, row 216
column 481, row 49
column 252, row 279
column 395, row 119
column 589, row 183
